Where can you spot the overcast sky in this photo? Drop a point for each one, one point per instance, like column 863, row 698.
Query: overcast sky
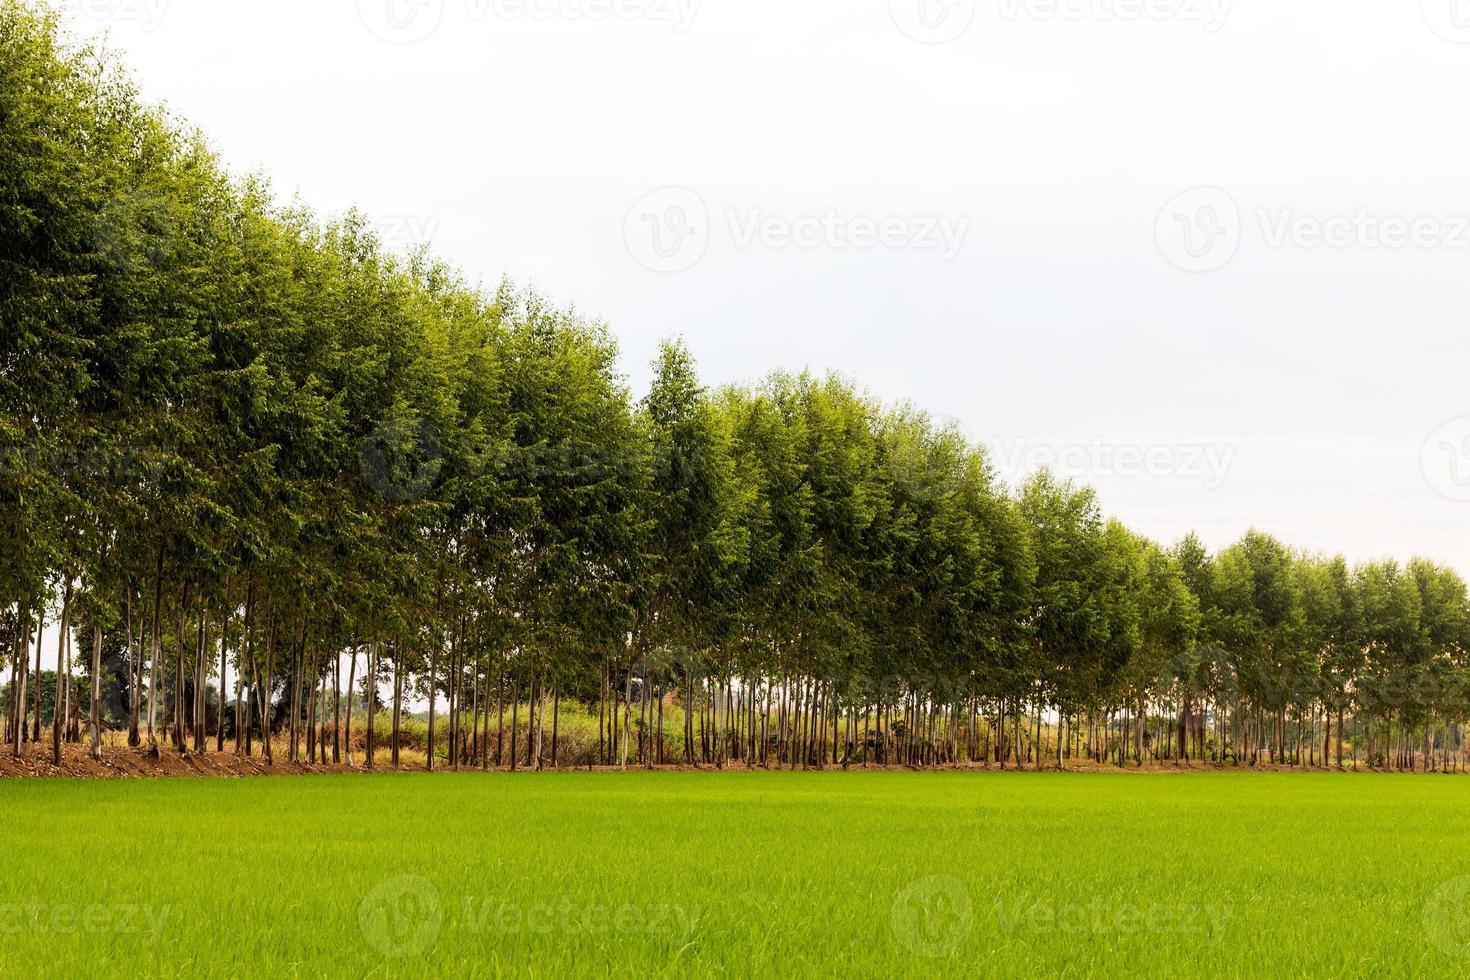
column 1211, row 257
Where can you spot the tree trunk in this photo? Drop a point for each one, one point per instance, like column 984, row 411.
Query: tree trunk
column 555, row 724
column 433, row 703
column 224, row 633
column 18, row 701
column 135, row 673
column 57, row 713
column 154, row 655
column 397, row 738
column 351, row 681
column 337, row 707
column 96, row 689
column 36, row 683
column 370, row 683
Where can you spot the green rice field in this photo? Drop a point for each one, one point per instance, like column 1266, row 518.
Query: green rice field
column 857, row 874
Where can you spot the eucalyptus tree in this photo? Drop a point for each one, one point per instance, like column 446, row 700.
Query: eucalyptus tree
column 1443, row 676
column 1083, row 623
column 1165, row 665
column 693, row 543
column 238, row 443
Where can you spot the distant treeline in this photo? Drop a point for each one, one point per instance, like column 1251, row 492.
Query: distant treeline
column 250, row 457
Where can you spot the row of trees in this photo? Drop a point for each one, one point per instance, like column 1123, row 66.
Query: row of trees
column 258, row 473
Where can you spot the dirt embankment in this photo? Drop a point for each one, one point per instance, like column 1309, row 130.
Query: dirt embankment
column 128, row 763
column 121, row 762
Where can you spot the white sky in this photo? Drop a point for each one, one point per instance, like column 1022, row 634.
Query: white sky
column 1294, row 386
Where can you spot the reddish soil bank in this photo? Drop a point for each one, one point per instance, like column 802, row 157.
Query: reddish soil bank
column 127, row 763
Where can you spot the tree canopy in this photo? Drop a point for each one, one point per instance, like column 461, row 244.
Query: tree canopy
column 237, row 441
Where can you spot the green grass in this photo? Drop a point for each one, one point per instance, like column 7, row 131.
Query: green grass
column 736, row 874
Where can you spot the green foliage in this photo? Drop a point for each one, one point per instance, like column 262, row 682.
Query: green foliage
column 228, row 426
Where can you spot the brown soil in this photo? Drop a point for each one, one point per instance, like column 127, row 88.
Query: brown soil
column 128, row 763
column 121, row 762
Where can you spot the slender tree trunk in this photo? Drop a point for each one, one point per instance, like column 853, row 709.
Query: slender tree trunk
column 66, row 714
column 1061, row 729
column 337, row 707
column 57, row 711
column 201, row 684
column 18, row 700
column 515, row 710
column 96, row 689
column 370, row 683
column 135, row 672
column 555, row 724
column 224, row 634
column 351, row 688
column 265, row 693
column 499, row 715
column 397, row 737
column 155, row 654
column 36, row 683
column 627, row 701
column 433, row 702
